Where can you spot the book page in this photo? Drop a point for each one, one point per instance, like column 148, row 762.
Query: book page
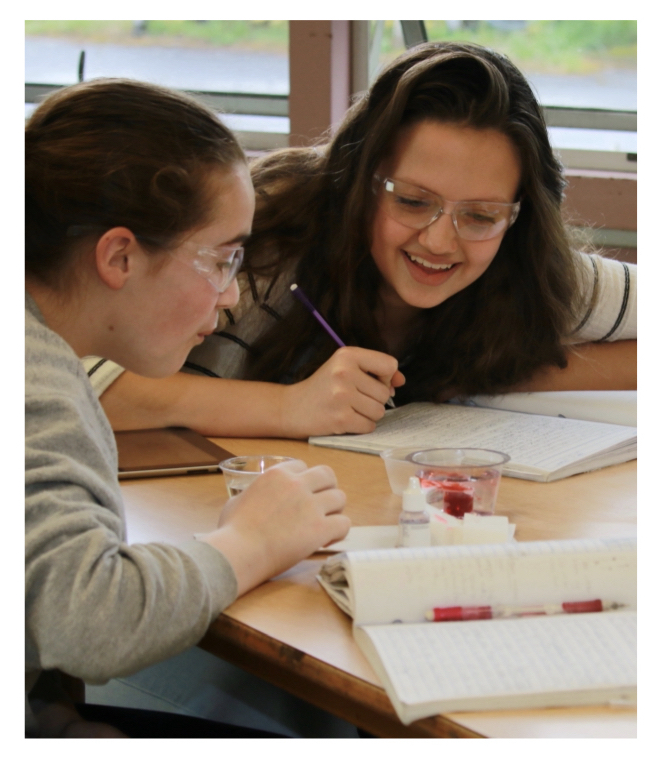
column 538, row 442
column 508, row 663
column 388, row 585
column 611, row 406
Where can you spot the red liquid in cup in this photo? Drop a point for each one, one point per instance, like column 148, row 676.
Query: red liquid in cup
column 457, row 498
column 457, row 492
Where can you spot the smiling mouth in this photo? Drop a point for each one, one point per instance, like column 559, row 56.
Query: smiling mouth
column 438, row 267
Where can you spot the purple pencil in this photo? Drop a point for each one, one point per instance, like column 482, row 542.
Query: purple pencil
column 300, row 294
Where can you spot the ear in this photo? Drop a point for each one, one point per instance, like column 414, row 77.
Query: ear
column 116, row 253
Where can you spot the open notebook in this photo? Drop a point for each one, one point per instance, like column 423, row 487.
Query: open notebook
column 556, row 660
column 541, row 447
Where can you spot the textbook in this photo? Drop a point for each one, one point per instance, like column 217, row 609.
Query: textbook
column 427, row 668
column 541, row 448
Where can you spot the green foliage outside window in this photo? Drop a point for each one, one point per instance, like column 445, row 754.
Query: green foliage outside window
column 562, row 47
column 251, row 35
column 558, row 47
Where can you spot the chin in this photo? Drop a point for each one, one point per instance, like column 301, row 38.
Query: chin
column 158, row 369
column 424, row 302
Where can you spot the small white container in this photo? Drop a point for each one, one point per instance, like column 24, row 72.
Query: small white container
column 414, row 528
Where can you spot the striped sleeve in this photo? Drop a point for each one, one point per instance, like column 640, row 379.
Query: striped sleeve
column 101, row 372
column 610, row 301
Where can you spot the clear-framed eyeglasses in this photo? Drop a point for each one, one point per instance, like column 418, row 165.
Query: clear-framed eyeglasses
column 219, row 266
column 418, row 208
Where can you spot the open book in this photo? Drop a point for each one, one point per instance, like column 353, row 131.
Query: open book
column 504, row 663
column 541, row 448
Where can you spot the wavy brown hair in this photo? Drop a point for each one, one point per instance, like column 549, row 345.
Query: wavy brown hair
column 315, row 207
column 117, row 152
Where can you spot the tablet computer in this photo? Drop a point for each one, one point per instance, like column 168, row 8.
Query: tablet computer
column 166, row 451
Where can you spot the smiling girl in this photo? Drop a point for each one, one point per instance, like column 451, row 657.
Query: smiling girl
column 429, row 234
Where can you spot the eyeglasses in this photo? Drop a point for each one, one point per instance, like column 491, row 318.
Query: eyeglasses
column 218, row 266
column 417, row 208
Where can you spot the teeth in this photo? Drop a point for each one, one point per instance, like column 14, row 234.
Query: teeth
column 435, row 266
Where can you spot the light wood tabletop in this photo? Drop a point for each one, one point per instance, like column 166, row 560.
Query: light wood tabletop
column 288, row 631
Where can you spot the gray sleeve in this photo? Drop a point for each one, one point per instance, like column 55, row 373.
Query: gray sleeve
column 97, row 607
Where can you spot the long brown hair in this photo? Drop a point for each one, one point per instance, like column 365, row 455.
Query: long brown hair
column 315, row 207
column 115, row 152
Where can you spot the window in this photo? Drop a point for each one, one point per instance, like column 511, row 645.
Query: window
column 238, row 67
column 584, row 73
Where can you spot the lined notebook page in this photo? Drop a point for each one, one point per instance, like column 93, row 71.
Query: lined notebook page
column 401, row 584
column 546, row 443
column 508, row 663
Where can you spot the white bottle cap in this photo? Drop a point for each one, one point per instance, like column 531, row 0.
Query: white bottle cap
column 413, row 497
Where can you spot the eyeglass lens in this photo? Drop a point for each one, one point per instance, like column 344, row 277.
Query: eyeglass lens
column 476, row 221
column 219, row 272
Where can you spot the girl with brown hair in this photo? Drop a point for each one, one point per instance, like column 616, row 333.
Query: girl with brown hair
column 428, row 232
column 138, row 201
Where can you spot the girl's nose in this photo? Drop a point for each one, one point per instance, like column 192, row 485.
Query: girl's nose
column 440, row 237
column 230, row 297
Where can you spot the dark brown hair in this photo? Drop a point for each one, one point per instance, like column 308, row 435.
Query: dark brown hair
column 113, row 152
column 315, row 207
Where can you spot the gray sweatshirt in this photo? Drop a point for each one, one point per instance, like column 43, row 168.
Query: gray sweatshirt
column 95, row 606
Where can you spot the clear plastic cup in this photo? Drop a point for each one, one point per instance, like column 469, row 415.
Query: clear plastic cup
column 460, row 480
column 240, row 471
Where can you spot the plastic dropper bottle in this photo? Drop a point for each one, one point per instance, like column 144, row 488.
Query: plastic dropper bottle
column 414, row 527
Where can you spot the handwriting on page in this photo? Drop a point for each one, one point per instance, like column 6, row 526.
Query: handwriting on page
column 454, row 661
column 527, row 438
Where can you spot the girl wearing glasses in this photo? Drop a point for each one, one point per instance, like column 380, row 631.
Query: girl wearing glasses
column 428, row 233
column 137, row 203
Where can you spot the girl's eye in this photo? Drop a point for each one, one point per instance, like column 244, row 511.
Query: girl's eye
column 207, row 265
column 412, row 203
column 478, row 217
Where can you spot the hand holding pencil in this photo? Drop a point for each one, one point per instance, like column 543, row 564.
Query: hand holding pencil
column 345, row 395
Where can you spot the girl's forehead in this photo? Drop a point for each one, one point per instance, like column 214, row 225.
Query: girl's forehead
column 232, row 207
column 456, row 161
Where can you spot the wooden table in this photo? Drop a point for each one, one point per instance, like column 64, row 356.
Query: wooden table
column 288, row 631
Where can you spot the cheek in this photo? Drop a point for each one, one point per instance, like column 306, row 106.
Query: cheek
column 481, row 254
column 188, row 309
column 387, row 237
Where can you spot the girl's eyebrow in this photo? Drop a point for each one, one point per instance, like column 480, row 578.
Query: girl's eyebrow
column 240, row 239
column 497, row 200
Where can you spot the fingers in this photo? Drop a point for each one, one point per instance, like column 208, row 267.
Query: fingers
column 331, row 501
column 398, row 379
column 347, row 394
column 374, row 365
column 338, row 526
column 282, row 517
column 315, row 479
column 295, row 465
